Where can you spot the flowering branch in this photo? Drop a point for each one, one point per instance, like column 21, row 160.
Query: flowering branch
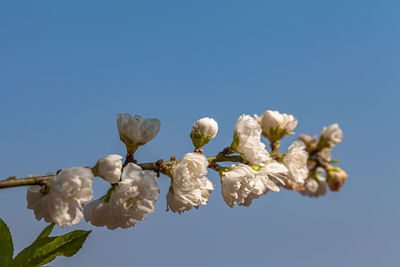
column 63, row 198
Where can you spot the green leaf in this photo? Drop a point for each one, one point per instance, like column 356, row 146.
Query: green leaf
column 6, row 245
column 46, row 231
column 45, row 249
column 22, row 259
column 26, row 252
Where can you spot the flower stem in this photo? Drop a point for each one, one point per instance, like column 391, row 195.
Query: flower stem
column 275, row 147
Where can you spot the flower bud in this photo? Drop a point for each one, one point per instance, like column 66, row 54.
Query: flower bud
column 335, row 178
column 203, row 131
column 275, row 125
column 136, row 131
column 109, row 168
column 331, row 136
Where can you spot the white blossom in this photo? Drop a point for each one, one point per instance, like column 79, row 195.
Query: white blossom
column 189, row 186
column 38, row 202
column 276, row 125
column 332, row 134
column 99, row 213
column 241, row 183
column 134, row 197
column 136, row 131
column 237, row 184
column 273, row 174
column 62, row 204
column 295, row 160
column 247, row 141
column 109, row 168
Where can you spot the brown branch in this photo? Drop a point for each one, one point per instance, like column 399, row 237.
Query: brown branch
column 159, row 167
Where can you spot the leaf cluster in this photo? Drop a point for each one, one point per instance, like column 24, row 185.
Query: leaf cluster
column 43, row 250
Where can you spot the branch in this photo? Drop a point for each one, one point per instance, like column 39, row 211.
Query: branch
column 160, row 167
column 13, row 182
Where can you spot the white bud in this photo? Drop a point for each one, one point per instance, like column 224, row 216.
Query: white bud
column 109, row 168
column 207, row 126
column 203, row 131
column 136, row 131
column 276, row 125
column 332, row 135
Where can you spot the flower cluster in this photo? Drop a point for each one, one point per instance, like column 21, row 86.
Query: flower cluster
column 306, row 167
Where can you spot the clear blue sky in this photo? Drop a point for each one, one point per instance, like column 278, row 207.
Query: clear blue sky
column 67, row 67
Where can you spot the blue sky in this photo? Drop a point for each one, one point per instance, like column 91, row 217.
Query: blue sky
column 66, row 69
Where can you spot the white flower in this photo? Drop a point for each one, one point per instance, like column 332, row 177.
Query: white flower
column 273, row 174
column 296, row 162
column 136, row 131
column 62, row 204
column 37, row 201
column 241, row 184
column 315, row 186
column 247, row 142
column 237, row 184
column 189, row 186
column 203, row 131
column 109, row 168
column 332, row 135
column 134, row 197
column 99, row 213
column 276, row 125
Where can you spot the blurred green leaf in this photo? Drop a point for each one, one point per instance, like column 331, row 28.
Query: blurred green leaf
column 6, row 245
column 44, row 249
